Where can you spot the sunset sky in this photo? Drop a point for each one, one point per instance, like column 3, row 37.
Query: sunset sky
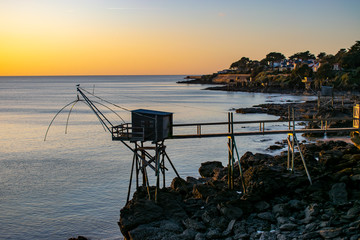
column 116, row 37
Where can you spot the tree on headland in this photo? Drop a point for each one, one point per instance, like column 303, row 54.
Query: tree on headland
column 299, row 73
column 329, row 58
column 321, row 55
column 273, row 57
column 351, row 59
column 241, row 64
column 339, row 55
column 324, row 73
column 245, row 65
column 304, row 56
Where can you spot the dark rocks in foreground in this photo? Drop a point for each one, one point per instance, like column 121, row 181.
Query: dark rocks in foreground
column 277, row 204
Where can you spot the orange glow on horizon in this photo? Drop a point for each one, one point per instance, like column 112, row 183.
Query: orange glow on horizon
column 103, row 38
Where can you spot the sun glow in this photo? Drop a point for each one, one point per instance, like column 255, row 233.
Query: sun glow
column 121, row 37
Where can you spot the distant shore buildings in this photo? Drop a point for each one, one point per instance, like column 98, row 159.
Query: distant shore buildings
column 287, row 65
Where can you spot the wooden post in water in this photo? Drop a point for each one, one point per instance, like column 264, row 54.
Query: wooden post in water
column 137, row 167
column 293, row 142
column 131, row 175
column 157, row 170
column 232, row 151
column 288, row 140
column 231, row 146
column 163, row 168
column 142, row 167
column 229, row 152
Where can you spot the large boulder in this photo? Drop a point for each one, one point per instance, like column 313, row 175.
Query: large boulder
column 137, row 213
column 203, row 191
column 262, row 182
column 156, row 230
column 141, row 211
column 249, row 159
column 207, row 168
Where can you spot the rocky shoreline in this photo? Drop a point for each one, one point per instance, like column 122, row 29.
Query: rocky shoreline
column 275, row 204
column 296, row 90
column 239, row 88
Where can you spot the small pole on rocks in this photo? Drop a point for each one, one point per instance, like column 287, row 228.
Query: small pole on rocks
column 293, row 142
column 231, row 151
column 240, row 168
column 288, row 140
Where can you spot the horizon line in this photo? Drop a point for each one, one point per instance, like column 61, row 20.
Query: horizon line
column 104, row 75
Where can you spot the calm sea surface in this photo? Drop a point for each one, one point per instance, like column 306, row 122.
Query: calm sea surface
column 75, row 184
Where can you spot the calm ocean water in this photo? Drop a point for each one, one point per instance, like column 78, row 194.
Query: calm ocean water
column 75, row 184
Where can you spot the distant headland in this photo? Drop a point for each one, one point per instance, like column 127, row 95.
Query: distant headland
column 299, row 73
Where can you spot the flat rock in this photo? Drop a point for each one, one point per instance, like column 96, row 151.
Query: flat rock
column 262, row 206
column 288, row 227
column 338, row 194
column 230, row 212
column 213, row 234
column 280, row 210
column 330, row 233
column 268, row 216
column 194, row 224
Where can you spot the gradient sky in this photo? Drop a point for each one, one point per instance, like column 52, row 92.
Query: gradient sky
column 99, row 37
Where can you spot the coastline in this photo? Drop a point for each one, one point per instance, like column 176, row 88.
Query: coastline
column 271, row 202
column 217, row 86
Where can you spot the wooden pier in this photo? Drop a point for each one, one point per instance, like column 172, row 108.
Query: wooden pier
column 262, row 130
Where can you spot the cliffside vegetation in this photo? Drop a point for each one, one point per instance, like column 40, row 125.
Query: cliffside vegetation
column 341, row 71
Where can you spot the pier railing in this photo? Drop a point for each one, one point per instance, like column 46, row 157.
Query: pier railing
column 127, row 132
column 264, row 125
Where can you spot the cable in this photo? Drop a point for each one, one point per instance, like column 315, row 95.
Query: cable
column 105, row 100
column 137, row 98
column 116, row 104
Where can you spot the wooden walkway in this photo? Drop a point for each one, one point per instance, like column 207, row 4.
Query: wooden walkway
column 198, row 132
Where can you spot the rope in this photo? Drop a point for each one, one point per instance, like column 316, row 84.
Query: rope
column 56, row 116
column 123, row 108
column 175, row 104
column 137, row 98
column 105, row 100
column 68, row 117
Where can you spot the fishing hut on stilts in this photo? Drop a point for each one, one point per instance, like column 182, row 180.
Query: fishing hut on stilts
column 147, row 131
